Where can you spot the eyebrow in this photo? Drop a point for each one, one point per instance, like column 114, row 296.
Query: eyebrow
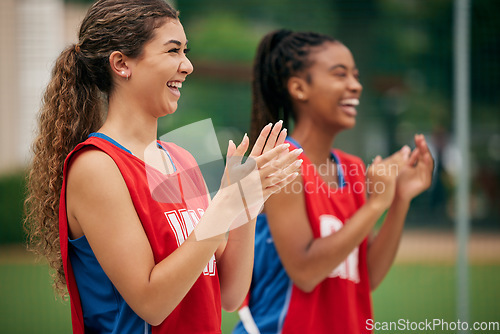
column 337, row 66
column 174, row 41
column 341, row 66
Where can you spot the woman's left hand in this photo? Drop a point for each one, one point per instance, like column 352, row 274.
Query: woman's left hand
column 416, row 176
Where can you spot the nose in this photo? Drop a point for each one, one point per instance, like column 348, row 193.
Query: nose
column 186, row 67
column 355, row 85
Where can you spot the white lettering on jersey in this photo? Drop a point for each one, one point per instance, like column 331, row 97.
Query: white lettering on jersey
column 348, row 269
column 182, row 222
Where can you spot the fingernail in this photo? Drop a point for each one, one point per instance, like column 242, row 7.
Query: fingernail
column 298, row 163
column 280, row 121
column 231, row 142
column 245, row 135
column 284, row 146
column 298, row 151
column 284, row 130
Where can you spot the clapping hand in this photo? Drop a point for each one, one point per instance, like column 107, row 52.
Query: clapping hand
column 416, row 175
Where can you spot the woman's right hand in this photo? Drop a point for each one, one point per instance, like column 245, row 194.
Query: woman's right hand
column 269, row 167
column 381, row 177
column 277, row 166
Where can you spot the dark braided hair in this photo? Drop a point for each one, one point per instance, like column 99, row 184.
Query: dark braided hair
column 281, row 54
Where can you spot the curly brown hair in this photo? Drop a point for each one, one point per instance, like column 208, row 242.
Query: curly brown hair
column 72, row 108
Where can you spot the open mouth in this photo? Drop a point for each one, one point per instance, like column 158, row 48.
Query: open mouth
column 349, row 106
column 174, row 87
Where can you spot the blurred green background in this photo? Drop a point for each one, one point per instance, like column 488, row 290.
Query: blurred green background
column 404, row 51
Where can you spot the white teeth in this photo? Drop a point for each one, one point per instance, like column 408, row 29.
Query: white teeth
column 175, row 84
column 350, row 102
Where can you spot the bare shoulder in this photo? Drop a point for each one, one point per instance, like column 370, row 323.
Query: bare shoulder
column 289, row 223
column 290, row 197
column 94, row 178
column 286, row 210
column 91, row 161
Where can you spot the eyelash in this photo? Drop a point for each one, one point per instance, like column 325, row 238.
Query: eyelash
column 343, row 75
column 176, row 50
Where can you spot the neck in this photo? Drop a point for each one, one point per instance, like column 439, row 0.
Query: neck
column 129, row 124
column 316, row 141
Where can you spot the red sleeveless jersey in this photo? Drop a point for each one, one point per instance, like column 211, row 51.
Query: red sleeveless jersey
column 341, row 303
column 169, row 207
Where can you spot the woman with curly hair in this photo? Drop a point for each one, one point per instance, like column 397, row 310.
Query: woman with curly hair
column 125, row 219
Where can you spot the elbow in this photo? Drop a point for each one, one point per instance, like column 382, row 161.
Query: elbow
column 152, row 314
column 375, row 276
column 304, row 281
column 305, row 286
column 230, row 306
column 153, row 322
column 374, row 284
column 231, row 302
column 152, row 318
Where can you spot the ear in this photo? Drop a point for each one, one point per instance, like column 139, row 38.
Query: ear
column 298, row 89
column 118, row 63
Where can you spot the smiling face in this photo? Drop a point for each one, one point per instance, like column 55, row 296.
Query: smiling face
column 331, row 87
column 158, row 73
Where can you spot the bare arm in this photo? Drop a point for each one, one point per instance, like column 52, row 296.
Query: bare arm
column 383, row 248
column 235, row 263
column 307, row 260
column 414, row 178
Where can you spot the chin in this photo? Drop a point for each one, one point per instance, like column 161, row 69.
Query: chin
column 169, row 110
column 349, row 125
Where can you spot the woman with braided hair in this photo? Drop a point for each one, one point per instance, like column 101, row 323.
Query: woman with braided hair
column 315, row 264
column 138, row 242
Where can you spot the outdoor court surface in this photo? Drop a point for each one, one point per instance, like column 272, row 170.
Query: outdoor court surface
column 420, row 285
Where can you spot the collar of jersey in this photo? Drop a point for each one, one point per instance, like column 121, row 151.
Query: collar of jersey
column 333, row 156
column 114, row 142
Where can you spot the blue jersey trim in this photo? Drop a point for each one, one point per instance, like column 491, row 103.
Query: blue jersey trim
column 111, row 140
column 333, row 156
column 168, row 154
column 340, row 171
column 114, row 142
column 284, row 311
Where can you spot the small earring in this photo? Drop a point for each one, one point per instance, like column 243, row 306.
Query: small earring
column 300, row 96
